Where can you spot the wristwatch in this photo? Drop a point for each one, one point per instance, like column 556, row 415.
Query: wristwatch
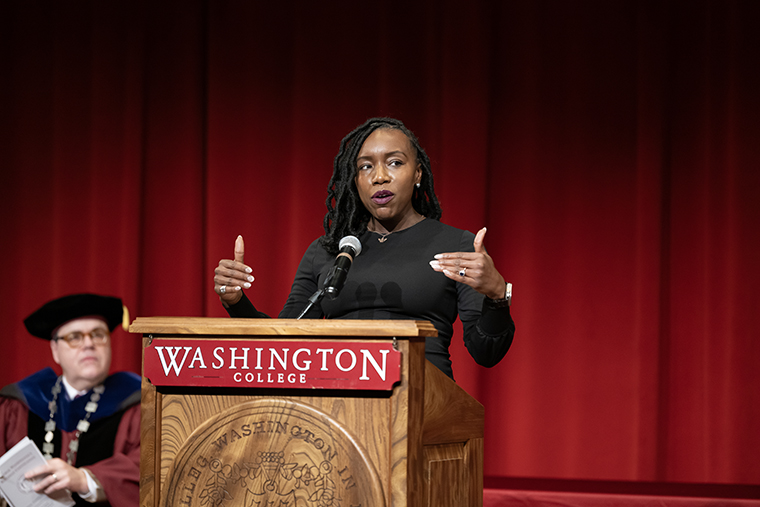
column 505, row 301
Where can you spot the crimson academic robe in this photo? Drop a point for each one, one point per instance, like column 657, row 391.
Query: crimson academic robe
column 110, row 449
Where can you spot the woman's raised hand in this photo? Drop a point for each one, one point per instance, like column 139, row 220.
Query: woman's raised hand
column 232, row 276
column 475, row 269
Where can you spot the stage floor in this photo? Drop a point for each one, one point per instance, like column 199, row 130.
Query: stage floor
column 524, row 492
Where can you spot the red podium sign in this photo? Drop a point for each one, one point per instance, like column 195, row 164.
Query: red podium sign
column 299, row 364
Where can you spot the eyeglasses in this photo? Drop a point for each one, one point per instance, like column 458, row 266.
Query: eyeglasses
column 76, row 339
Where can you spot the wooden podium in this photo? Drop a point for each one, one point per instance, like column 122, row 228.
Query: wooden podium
column 281, row 439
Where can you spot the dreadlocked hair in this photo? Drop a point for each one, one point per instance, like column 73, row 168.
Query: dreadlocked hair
column 346, row 215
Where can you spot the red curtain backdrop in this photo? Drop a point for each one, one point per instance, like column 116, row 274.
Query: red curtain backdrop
column 610, row 147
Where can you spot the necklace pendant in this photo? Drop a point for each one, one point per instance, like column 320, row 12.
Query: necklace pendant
column 382, row 239
column 82, row 426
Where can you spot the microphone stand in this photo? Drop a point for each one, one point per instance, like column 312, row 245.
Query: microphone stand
column 313, row 299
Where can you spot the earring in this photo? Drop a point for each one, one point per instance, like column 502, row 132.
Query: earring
column 417, row 185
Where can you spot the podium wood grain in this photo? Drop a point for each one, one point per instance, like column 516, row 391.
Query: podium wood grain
column 421, row 444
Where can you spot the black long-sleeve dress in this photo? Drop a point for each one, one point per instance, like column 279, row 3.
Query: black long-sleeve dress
column 394, row 280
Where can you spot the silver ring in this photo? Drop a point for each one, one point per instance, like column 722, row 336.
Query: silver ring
column 463, row 272
column 223, row 289
column 55, row 477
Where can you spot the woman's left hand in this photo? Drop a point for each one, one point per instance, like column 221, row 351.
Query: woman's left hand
column 475, row 269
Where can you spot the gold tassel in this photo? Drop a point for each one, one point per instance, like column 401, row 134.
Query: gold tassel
column 124, row 317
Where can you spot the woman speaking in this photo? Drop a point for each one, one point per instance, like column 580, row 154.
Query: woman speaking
column 411, row 265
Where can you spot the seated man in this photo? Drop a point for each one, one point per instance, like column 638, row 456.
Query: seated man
column 85, row 422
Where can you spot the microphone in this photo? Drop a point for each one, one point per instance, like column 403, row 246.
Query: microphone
column 349, row 247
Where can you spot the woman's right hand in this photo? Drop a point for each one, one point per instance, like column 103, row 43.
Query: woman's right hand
column 232, row 276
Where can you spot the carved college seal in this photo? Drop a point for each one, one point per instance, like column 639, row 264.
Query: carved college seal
column 268, row 453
